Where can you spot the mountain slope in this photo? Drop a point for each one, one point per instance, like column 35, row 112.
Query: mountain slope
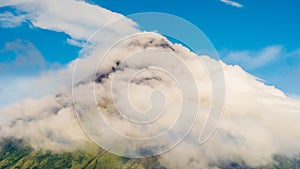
column 16, row 153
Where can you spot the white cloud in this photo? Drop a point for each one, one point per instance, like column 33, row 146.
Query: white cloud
column 9, row 20
column 232, row 3
column 252, row 60
column 77, row 19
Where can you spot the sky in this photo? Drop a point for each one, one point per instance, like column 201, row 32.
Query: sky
column 260, row 36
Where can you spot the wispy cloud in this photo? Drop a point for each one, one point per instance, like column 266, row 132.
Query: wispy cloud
column 52, row 15
column 275, row 64
column 22, row 57
column 9, row 20
column 253, row 60
column 232, row 3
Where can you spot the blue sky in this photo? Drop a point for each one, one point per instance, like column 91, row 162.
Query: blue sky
column 261, row 36
column 257, row 24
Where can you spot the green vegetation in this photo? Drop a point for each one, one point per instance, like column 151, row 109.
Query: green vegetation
column 16, row 154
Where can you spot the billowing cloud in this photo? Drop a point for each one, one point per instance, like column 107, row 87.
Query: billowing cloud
column 232, row 3
column 259, row 121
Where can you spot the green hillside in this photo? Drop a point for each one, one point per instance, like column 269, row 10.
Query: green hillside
column 16, row 154
column 19, row 155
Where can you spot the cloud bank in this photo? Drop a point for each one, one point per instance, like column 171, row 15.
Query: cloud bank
column 259, row 121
